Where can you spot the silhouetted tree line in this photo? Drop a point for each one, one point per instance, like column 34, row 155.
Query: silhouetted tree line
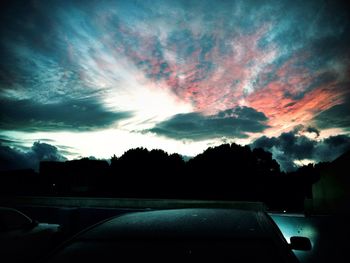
column 226, row 172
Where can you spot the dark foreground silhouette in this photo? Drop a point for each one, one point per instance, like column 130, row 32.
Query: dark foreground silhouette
column 226, row 172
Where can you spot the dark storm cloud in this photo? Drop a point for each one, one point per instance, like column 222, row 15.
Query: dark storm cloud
column 70, row 114
column 313, row 130
column 6, row 140
column 229, row 123
column 291, row 146
column 10, row 141
column 36, row 47
column 13, row 158
column 336, row 117
column 27, row 30
column 332, row 147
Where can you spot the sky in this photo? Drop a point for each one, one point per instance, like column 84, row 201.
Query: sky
column 96, row 78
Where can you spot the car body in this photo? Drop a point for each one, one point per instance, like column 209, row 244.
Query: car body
column 181, row 235
column 23, row 239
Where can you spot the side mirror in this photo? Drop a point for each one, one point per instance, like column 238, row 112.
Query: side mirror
column 300, row 243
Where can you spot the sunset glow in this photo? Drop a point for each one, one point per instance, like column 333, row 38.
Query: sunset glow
column 101, row 77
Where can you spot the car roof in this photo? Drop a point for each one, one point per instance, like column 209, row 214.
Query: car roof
column 182, row 223
column 186, row 235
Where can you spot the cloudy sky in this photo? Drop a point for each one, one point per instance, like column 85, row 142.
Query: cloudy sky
column 96, row 78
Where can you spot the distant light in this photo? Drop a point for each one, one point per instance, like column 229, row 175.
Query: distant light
column 54, row 185
column 284, row 211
